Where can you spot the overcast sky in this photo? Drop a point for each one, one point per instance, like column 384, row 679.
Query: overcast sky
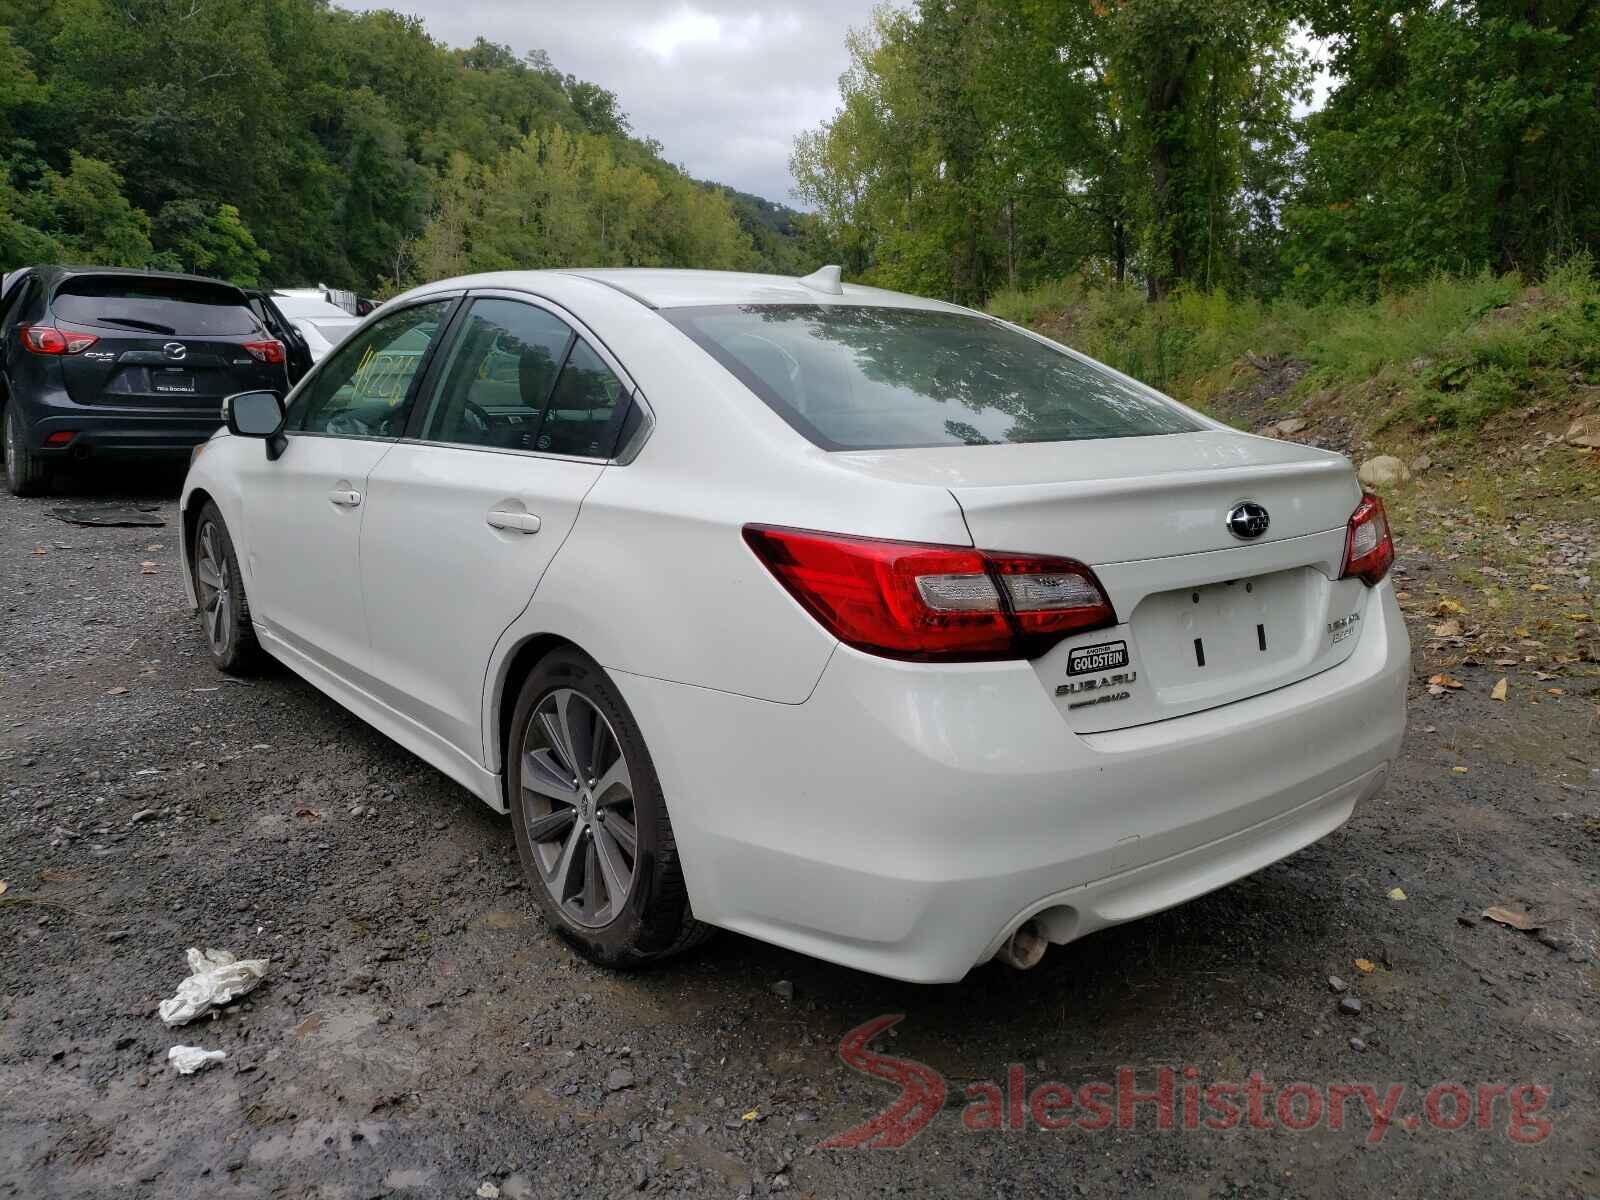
column 723, row 85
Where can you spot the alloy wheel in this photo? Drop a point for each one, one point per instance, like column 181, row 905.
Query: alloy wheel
column 577, row 803
column 216, row 597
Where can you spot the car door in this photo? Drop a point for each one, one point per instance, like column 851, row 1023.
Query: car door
column 303, row 511
column 297, row 355
column 523, row 412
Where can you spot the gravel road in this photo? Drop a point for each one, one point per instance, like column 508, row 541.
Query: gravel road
column 421, row 1034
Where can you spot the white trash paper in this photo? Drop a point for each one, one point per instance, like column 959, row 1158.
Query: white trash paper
column 189, row 1059
column 218, row 978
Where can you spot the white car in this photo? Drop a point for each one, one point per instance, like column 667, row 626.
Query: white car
column 322, row 324
column 859, row 623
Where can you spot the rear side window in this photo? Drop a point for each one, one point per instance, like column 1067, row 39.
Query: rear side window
column 11, row 294
column 853, row 377
column 165, row 307
column 582, row 418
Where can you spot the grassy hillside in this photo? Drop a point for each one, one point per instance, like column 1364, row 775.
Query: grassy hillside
column 1473, row 382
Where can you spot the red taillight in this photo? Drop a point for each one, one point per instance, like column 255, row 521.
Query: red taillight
column 267, row 351
column 1368, row 548
column 60, row 437
column 914, row 601
column 46, row 339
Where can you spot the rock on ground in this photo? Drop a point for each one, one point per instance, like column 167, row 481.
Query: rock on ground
column 1383, row 471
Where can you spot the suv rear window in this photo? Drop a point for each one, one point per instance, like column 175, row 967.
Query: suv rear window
column 156, row 306
column 853, row 377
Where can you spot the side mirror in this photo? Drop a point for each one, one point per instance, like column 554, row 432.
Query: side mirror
column 256, row 415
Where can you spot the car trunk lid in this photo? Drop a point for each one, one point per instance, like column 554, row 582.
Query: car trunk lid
column 1206, row 616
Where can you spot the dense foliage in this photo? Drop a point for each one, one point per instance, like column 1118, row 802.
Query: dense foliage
column 984, row 144
column 289, row 141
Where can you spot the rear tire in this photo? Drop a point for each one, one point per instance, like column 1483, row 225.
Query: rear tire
column 26, row 475
column 591, row 823
column 224, row 607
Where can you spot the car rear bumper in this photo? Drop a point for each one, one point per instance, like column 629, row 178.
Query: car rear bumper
column 107, row 431
column 906, row 819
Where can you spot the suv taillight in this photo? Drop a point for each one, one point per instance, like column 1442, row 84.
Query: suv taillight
column 267, row 351
column 47, row 339
column 932, row 603
column 1368, row 548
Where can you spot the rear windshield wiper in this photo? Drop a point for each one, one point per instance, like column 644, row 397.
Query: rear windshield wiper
column 133, row 324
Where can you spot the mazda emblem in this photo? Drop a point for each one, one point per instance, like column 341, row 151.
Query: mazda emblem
column 1247, row 520
column 176, row 351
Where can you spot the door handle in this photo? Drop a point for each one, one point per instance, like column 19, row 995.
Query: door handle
column 344, row 498
column 520, row 522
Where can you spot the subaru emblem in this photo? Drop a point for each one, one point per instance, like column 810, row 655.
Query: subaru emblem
column 1247, row 520
column 176, row 351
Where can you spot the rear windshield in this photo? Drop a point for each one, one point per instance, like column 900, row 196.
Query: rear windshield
column 869, row 378
column 159, row 306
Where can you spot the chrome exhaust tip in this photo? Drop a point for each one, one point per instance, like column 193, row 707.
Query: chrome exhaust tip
column 1025, row 948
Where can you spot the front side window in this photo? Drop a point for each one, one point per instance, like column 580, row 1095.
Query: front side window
column 854, row 377
column 364, row 389
column 499, row 376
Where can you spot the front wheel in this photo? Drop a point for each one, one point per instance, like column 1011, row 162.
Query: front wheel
column 591, row 824
column 219, row 586
column 26, row 474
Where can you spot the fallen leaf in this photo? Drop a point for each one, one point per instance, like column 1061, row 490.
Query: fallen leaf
column 40, row 551
column 1556, row 691
column 1435, row 690
column 1447, row 605
column 1442, row 680
column 118, row 691
column 309, row 814
column 1450, row 628
column 1539, row 587
column 1580, row 616
column 752, row 1115
column 147, row 568
column 1364, row 965
column 1499, row 691
column 1511, row 917
column 1396, row 894
column 3, row 886
column 1459, row 770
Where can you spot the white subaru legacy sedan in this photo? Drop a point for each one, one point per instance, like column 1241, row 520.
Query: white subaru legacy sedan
column 863, row 624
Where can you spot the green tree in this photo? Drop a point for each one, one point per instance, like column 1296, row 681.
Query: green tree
column 92, row 219
column 983, row 143
column 290, row 141
column 1459, row 136
column 209, row 240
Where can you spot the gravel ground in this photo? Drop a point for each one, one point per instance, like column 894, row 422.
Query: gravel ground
column 421, row 1034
